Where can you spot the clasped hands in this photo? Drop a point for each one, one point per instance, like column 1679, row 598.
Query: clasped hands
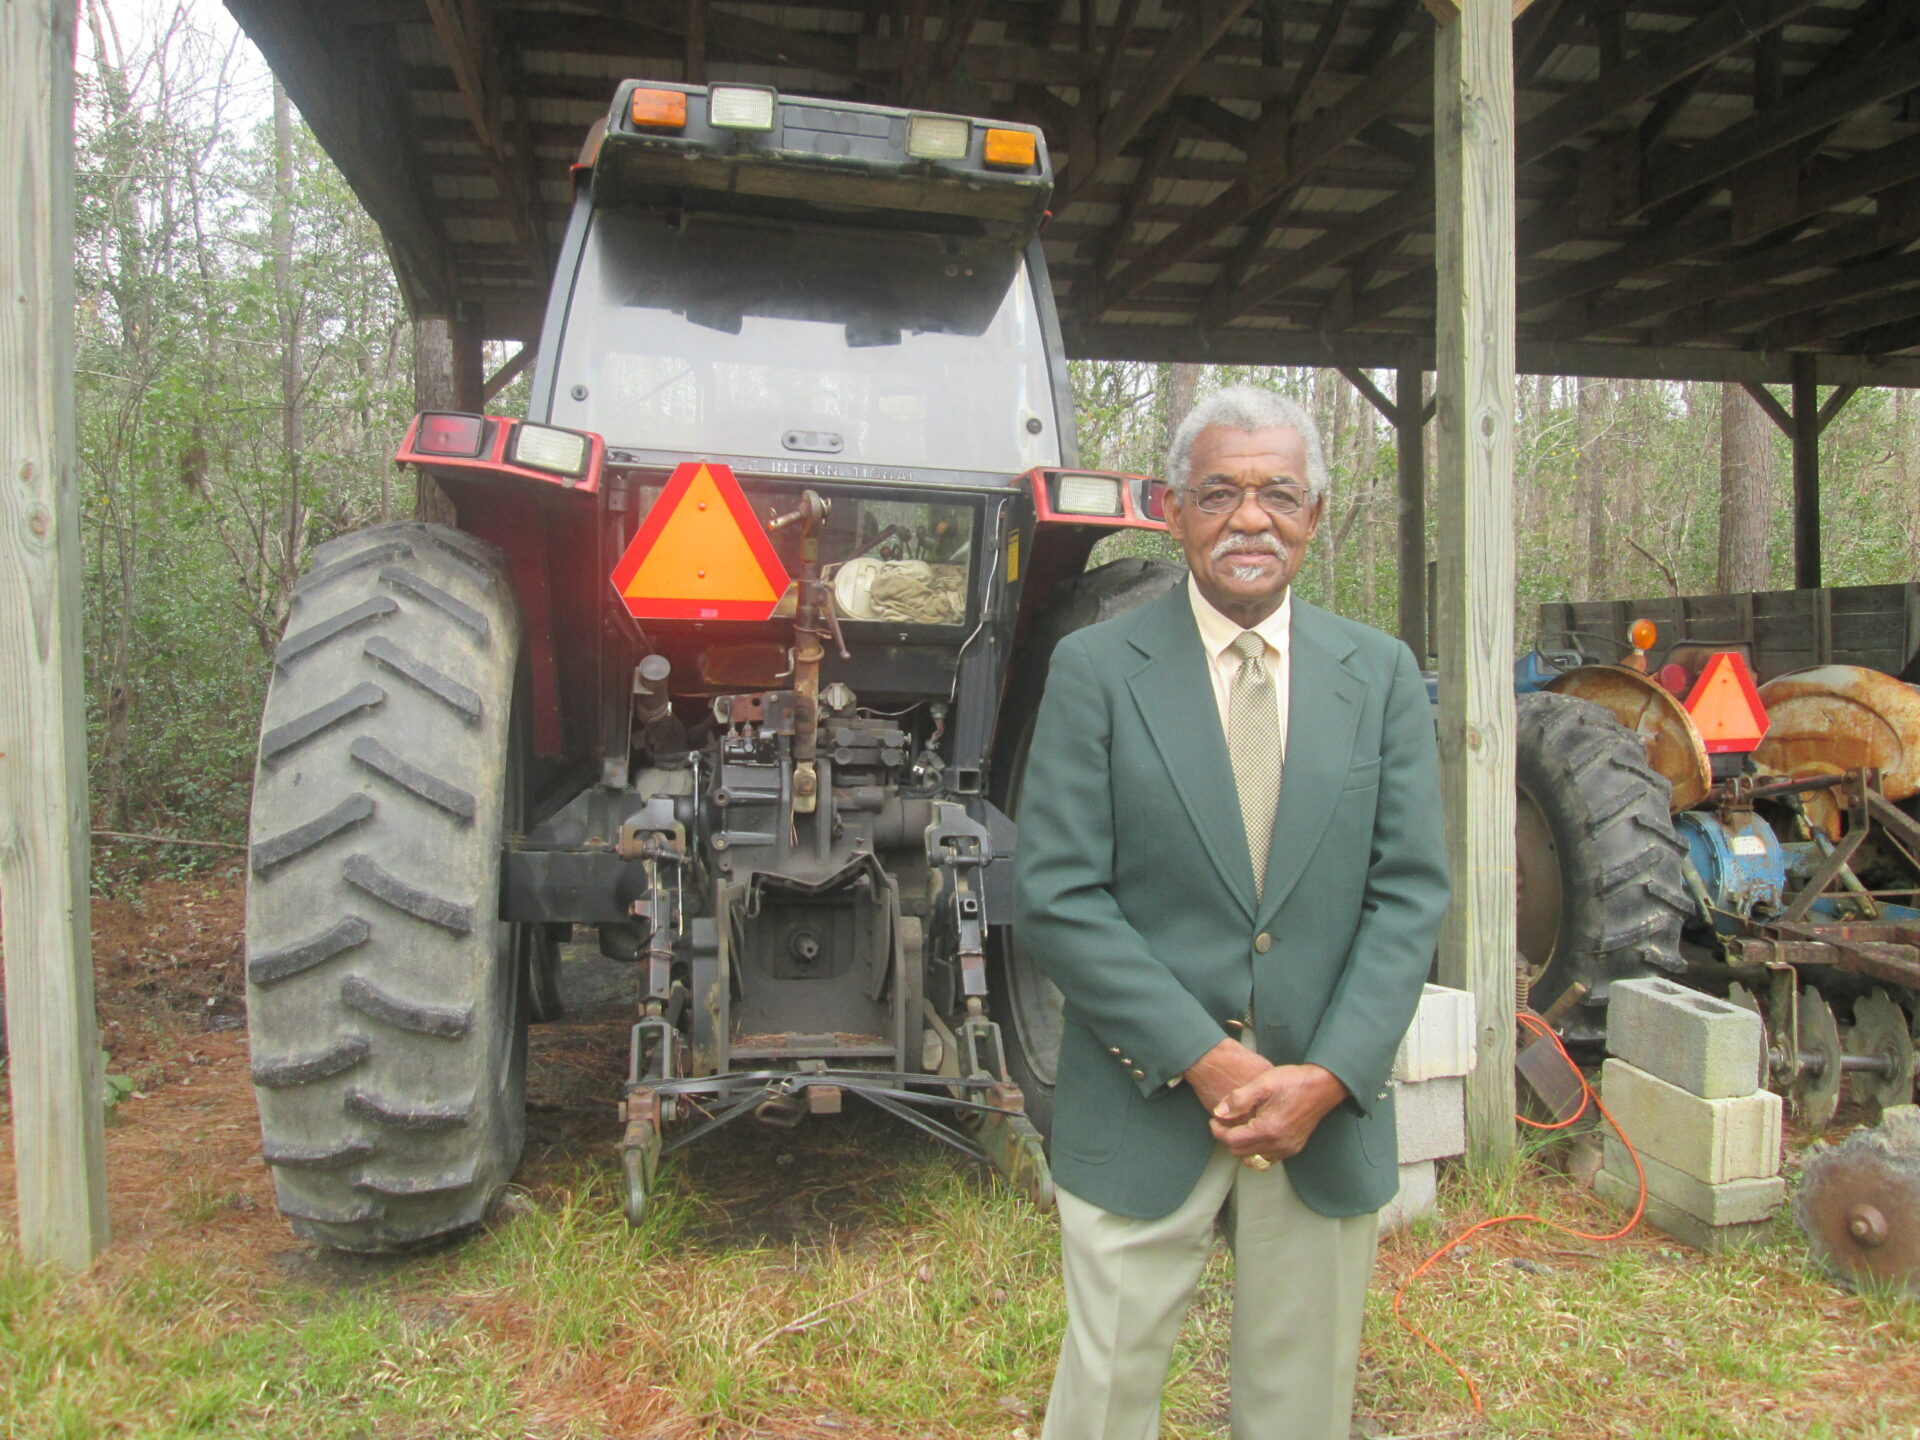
column 1258, row 1109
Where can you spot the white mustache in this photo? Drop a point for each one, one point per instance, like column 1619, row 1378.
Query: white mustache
column 1241, row 544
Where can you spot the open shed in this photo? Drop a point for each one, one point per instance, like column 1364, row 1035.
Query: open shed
column 1679, row 189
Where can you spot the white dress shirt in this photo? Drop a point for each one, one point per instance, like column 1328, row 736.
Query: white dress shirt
column 1217, row 634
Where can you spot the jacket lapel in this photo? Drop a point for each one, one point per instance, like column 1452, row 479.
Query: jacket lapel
column 1323, row 707
column 1175, row 696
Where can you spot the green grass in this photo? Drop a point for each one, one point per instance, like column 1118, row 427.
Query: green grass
column 919, row 1300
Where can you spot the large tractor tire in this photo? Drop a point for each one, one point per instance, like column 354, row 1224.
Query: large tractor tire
column 386, row 999
column 1025, row 1003
column 1601, row 890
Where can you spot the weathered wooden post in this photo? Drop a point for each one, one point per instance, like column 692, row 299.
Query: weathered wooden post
column 58, row 1143
column 1410, row 464
column 1474, row 350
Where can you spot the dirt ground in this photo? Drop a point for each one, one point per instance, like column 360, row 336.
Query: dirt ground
column 171, row 996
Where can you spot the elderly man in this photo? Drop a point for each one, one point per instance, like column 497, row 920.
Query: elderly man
column 1231, row 864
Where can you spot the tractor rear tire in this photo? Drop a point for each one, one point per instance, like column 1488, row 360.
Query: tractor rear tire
column 1024, row 1002
column 386, row 998
column 1602, row 895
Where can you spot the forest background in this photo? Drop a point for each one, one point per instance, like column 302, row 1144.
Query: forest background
column 245, row 369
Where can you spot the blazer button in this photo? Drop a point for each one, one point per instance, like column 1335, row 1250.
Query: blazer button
column 1139, row 1074
column 1262, row 942
column 1113, row 1049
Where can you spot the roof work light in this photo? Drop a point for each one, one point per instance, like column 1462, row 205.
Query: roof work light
column 740, row 107
column 938, row 137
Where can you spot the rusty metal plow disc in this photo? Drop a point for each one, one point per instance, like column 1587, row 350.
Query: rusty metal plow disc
column 1674, row 748
column 1843, row 717
column 1879, row 1035
column 1815, row 1091
column 1859, row 1204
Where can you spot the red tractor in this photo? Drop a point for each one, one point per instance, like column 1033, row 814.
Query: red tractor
column 731, row 654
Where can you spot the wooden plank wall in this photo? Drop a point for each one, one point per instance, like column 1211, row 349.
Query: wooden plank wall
column 1877, row 626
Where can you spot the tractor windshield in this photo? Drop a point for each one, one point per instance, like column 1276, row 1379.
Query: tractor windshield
column 704, row 334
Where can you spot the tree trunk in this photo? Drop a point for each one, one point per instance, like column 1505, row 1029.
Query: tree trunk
column 1746, row 492
column 1592, row 414
column 1183, row 381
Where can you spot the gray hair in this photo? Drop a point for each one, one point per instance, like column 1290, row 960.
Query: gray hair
column 1246, row 408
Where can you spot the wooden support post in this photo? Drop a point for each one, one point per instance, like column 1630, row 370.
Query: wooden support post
column 1474, row 350
column 1409, row 428
column 447, row 375
column 58, row 1140
column 1806, row 473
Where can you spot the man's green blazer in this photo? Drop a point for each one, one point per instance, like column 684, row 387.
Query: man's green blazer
column 1134, row 889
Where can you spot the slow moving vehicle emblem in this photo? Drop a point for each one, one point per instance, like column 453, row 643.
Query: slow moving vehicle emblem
column 701, row 553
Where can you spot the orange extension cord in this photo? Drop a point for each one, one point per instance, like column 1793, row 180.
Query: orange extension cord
column 1587, row 1097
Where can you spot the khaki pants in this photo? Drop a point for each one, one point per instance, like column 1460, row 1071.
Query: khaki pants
column 1300, row 1283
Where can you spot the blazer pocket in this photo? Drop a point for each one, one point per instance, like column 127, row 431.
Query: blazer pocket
column 1363, row 776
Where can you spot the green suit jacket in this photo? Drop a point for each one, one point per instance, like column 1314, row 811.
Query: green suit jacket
column 1134, row 889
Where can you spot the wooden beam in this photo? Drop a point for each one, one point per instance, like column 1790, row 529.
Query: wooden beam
column 1192, row 38
column 1832, row 324
column 1811, row 110
column 1707, row 283
column 1361, row 381
column 507, row 374
column 1272, row 169
column 1773, row 409
column 1660, row 65
column 1474, row 341
column 1410, row 476
column 1744, row 312
column 1104, row 250
column 1835, row 403
column 1316, row 61
column 1806, row 473
column 58, row 1141
column 1176, row 338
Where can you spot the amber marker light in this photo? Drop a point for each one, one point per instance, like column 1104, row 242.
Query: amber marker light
column 1643, row 634
column 659, row 109
column 1012, row 148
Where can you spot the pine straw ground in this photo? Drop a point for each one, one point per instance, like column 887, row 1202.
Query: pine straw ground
column 846, row 1281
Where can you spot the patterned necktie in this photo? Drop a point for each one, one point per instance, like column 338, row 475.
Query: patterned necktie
column 1253, row 745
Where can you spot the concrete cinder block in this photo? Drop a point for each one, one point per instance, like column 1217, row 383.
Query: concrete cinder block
column 1707, row 1046
column 1431, row 1117
column 1736, row 1138
column 1418, row 1196
column 1734, row 1202
column 1440, row 1040
column 1672, row 1220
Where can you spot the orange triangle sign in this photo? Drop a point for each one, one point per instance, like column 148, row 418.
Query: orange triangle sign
column 701, row 553
column 1725, row 707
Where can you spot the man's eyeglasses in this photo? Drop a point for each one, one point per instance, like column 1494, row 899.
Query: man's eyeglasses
column 1225, row 499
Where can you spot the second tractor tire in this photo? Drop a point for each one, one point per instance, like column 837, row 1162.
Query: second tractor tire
column 1601, row 891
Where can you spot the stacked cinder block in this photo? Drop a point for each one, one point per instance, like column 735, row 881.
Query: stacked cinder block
column 1684, row 1083
column 1430, row 1098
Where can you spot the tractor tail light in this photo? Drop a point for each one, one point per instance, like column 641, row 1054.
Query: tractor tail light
column 1155, row 506
column 1644, row 634
column 456, row 435
column 659, row 109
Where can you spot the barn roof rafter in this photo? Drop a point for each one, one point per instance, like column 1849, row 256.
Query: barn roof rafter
column 1705, row 187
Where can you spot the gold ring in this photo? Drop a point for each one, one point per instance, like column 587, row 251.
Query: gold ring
column 1259, row 1162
